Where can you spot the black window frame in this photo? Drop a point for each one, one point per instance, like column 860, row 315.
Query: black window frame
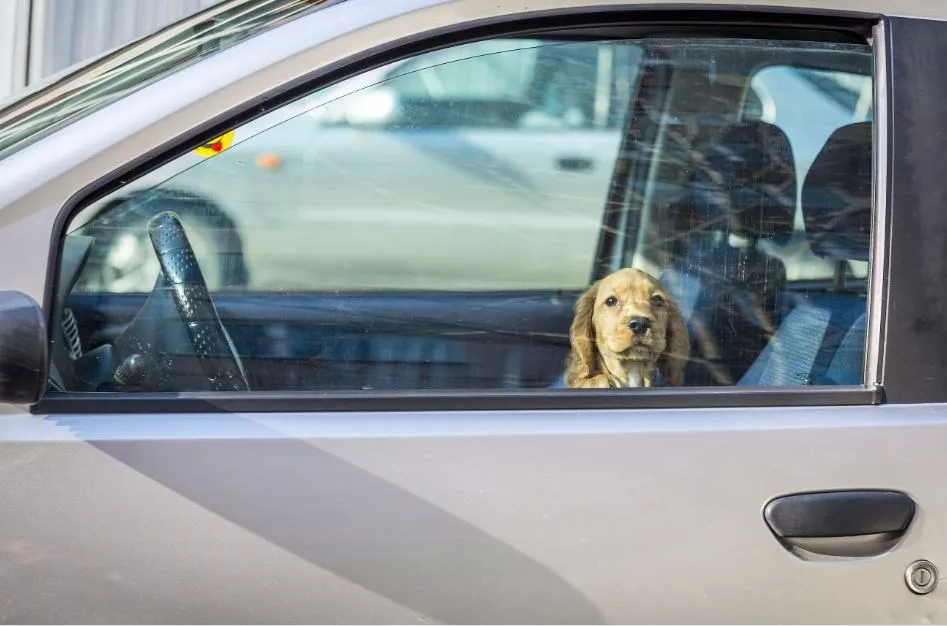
column 590, row 24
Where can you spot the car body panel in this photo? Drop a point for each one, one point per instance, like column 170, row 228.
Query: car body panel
column 631, row 515
column 539, row 517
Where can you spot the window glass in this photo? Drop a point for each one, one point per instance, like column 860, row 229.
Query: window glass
column 844, row 98
column 494, row 74
column 442, row 222
column 415, row 181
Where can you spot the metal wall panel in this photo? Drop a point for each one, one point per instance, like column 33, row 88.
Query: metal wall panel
column 65, row 32
column 14, row 29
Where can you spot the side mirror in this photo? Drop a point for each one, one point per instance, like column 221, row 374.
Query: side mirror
column 24, row 363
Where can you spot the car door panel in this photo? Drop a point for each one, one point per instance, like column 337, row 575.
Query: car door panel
column 538, row 517
column 574, row 516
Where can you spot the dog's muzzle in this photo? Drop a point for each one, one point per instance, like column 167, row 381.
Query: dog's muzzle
column 639, row 325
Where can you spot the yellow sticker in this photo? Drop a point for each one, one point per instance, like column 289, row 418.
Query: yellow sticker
column 216, row 145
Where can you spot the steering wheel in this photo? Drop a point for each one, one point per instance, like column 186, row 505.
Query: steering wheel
column 184, row 283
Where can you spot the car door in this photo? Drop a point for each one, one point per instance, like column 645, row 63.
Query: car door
column 810, row 500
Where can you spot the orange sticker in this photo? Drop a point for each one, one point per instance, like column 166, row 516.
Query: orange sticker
column 216, row 145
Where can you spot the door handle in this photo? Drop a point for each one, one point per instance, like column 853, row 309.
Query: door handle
column 844, row 523
column 575, row 164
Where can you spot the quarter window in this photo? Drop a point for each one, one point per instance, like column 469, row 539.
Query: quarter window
column 443, row 222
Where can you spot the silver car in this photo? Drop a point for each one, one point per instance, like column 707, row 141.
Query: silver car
column 291, row 287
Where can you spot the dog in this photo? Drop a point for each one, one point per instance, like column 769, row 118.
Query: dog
column 626, row 327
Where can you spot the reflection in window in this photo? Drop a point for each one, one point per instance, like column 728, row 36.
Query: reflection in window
column 434, row 223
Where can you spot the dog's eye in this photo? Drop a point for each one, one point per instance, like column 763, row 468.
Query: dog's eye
column 657, row 300
column 611, row 301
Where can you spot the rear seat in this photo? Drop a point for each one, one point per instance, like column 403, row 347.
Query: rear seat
column 822, row 340
column 744, row 185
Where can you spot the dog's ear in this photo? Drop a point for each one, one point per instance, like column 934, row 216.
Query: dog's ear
column 677, row 349
column 582, row 363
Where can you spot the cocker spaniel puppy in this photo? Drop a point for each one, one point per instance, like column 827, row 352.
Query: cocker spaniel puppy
column 626, row 326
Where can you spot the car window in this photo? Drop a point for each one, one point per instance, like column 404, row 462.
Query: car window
column 430, row 173
column 757, row 215
column 514, row 213
column 839, row 98
column 554, row 78
column 488, row 72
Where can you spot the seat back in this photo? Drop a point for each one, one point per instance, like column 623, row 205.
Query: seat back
column 822, row 340
column 743, row 190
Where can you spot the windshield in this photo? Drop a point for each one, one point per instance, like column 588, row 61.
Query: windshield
column 94, row 84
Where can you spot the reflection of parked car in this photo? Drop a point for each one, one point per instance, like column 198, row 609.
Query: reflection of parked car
column 479, row 128
column 122, row 236
column 332, row 389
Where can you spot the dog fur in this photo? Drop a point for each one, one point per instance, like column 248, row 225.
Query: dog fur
column 626, row 327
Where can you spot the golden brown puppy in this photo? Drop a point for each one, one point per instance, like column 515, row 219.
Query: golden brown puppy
column 626, row 326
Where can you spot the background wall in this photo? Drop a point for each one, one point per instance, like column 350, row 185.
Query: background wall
column 42, row 37
column 14, row 29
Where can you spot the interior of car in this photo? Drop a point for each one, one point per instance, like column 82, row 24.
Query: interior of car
column 762, row 244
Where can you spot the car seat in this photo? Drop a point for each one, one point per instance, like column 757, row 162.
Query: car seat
column 822, row 340
column 743, row 190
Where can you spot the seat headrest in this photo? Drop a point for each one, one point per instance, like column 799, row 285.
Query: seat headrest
column 837, row 194
column 746, row 183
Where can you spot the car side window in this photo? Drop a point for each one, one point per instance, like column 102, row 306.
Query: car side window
column 552, row 81
column 515, row 213
column 844, row 97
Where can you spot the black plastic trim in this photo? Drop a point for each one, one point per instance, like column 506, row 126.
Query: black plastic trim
column 841, row 513
column 789, row 23
column 476, row 400
column 24, row 351
column 914, row 360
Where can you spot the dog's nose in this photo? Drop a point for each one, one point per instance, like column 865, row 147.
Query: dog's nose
column 639, row 325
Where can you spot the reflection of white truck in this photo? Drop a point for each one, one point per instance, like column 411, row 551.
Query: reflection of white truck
column 466, row 159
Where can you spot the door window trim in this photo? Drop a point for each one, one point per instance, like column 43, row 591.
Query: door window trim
column 831, row 26
column 880, row 224
column 475, row 400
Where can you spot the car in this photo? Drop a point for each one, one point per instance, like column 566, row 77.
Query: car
column 291, row 287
